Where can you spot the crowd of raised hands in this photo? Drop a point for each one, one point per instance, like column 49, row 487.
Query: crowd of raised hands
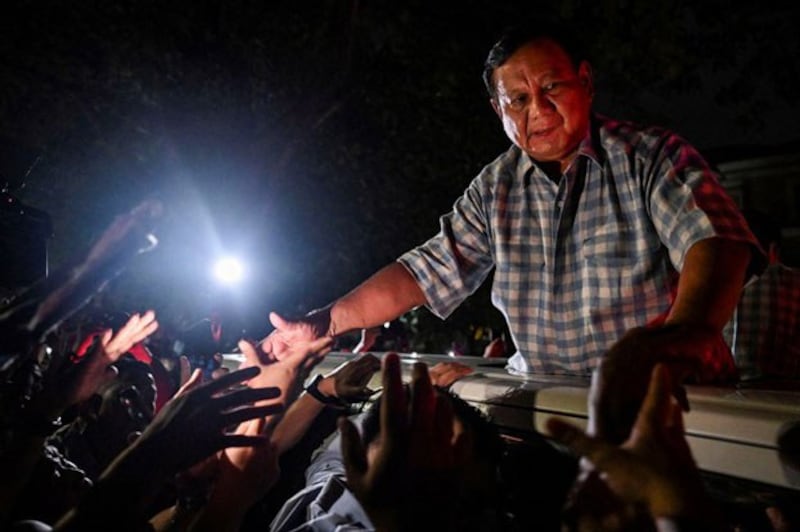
column 84, row 446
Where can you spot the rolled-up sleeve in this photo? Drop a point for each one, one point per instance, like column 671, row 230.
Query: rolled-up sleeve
column 688, row 204
column 452, row 265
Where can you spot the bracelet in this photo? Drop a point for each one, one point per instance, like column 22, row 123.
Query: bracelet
column 313, row 390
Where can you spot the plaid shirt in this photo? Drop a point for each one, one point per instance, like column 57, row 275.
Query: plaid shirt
column 578, row 262
column 764, row 333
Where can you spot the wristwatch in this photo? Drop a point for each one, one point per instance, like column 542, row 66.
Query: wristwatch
column 313, row 390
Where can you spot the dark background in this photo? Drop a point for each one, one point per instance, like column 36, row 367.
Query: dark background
column 321, row 139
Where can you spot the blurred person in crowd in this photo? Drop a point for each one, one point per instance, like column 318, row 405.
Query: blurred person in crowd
column 111, row 419
column 764, row 332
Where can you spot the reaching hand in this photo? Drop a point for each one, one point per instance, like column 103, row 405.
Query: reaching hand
column 314, row 325
column 191, row 426
column 291, row 370
column 620, row 382
column 444, row 374
column 77, row 381
column 349, row 381
column 654, row 466
column 411, row 475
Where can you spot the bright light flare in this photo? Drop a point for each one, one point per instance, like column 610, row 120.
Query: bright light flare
column 229, row 270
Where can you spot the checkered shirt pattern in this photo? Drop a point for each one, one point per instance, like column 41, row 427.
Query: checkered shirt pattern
column 579, row 262
column 764, row 333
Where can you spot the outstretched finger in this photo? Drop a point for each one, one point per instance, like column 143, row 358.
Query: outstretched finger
column 309, row 354
column 597, row 451
column 279, row 323
column 443, row 431
column 657, row 407
column 226, row 381
column 234, row 417
column 240, row 440
column 250, row 354
column 423, row 402
column 195, row 380
column 394, row 407
column 246, row 396
column 353, row 453
column 185, row 369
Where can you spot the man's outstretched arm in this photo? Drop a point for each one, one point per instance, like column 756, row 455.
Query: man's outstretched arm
column 389, row 293
column 383, row 297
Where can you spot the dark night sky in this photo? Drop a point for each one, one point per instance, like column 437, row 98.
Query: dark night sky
column 326, row 137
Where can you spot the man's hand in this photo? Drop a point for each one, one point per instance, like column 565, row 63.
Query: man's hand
column 444, row 374
column 193, row 424
column 410, row 478
column 314, row 325
column 291, row 370
column 654, row 465
column 349, row 381
column 620, row 381
column 77, row 381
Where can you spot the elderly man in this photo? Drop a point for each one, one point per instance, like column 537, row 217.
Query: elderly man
column 613, row 245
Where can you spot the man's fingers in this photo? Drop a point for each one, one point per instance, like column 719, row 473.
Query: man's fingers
column 226, row 381
column 656, row 408
column 185, row 369
column 279, row 323
column 353, row 453
column 443, row 424
column 144, row 332
column 572, row 437
column 105, row 337
column 250, row 354
column 240, row 440
column 195, row 380
column 320, row 345
column 247, row 395
column 423, row 401
column 393, row 405
column 234, row 417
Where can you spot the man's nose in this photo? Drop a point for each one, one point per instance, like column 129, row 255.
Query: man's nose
column 539, row 105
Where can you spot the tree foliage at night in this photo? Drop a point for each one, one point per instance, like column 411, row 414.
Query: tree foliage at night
column 324, row 138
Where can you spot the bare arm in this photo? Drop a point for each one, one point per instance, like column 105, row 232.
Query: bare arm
column 348, row 383
column 383, row 297
column 295, row 422
column 710, row 283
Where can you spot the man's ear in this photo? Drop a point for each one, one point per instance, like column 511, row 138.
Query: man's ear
column 496, row 106
column 586, row 77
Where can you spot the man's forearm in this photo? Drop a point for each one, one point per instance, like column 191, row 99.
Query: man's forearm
column 296, row 422
column 389, row 293
column 710, row 283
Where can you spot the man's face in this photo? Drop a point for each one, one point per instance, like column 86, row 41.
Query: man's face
column 543, row 102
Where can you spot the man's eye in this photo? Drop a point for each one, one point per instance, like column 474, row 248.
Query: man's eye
column 553, row 88
column 518, row 101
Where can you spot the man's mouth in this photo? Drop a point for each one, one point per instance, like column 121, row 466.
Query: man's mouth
column 543, row 132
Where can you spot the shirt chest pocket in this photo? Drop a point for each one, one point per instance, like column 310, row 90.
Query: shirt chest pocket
column 519, row 255
column 617, row 262
column 613, row 245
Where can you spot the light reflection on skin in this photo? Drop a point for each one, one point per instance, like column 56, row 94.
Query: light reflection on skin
column 543, row 102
